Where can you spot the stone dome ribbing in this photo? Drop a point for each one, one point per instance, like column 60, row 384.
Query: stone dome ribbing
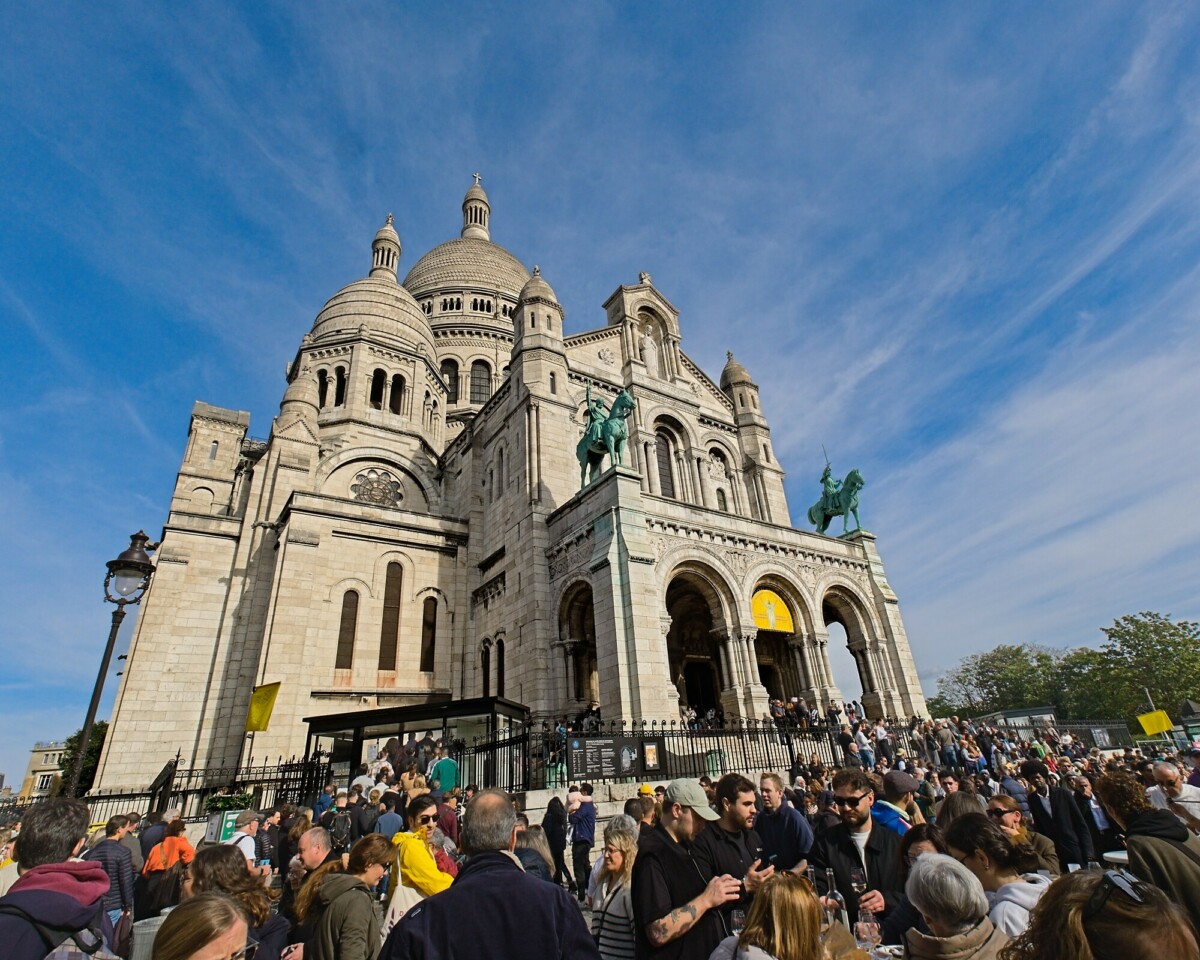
column 467, row 263
column 380, row 304
column 537, row 287
column 734, row 372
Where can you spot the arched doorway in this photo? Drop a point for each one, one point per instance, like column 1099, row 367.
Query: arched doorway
column 847, row 627
column 693, row 644
column 776, row 623
column 577, row 632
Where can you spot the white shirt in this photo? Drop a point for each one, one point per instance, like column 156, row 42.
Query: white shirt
column 1189, row 799
column 239, row 840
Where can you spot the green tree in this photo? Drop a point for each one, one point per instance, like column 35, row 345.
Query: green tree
column 91, row 757
column 1006, row 677
column 1150, row 651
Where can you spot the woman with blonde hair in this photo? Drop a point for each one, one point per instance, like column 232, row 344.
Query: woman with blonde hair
column 612, row 906
column 1112, row 915
column 784, row 923
column 211, row 922
column 1005, row 812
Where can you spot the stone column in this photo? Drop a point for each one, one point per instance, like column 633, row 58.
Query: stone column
column 706, row 496
column 570, row 647
column 652, row 467
column 686, row 479
column 756, row 701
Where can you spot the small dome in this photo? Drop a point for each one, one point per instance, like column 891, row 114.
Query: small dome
column 537, row 287
column 379, row 305
column 385, row 251
column 467, row 263
column 388, row 231
column 301, row 393
column 476, row 192
column 477, row 211
column 734, row 372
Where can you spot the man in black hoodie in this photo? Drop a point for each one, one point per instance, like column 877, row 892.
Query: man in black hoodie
column 57, row 897
column 1162, row 851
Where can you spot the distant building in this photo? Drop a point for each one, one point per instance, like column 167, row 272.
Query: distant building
column 42, row 776
column 413, row 530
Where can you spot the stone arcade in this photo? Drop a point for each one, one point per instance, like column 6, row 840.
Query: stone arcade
column 413, row 529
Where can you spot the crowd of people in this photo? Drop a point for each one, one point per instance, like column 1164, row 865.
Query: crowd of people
column 971, row 844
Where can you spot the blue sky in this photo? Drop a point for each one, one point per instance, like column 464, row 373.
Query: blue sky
column 957, row 244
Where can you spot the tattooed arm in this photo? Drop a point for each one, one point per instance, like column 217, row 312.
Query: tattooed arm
column 720, row 890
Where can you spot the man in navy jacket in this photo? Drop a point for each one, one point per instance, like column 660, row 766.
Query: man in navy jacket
column 493, row 910
column 583, row 822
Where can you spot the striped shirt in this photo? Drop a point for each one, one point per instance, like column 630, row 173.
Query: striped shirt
column 612, row 923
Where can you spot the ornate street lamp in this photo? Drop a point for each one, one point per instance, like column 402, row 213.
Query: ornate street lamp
column 129, row 575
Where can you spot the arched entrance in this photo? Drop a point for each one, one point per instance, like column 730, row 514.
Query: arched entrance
column 577, row 633
column 841, row 607
column 777, row 625
column 693, row 641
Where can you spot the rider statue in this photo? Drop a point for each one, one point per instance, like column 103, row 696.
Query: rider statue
column 596, row 414
column 830, row 487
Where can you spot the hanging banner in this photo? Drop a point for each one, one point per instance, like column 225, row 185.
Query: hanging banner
column 262, row 703
column 771, row 613
column 1156, row 722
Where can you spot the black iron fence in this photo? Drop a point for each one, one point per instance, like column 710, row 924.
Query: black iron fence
column 538, row 756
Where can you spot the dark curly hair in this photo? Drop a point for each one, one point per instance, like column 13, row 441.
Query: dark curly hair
column 222, row 869
column 1122, row 794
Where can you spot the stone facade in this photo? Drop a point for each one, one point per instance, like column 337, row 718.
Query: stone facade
column 414, row 528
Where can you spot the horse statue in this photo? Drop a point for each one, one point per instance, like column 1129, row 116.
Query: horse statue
column 606, row 433
column 841, row 502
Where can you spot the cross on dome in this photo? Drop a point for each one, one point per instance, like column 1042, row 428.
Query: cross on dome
column 477, row 178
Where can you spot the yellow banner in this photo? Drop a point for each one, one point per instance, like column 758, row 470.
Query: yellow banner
column 262, row 703
column 771, row 613
column 1156, row 722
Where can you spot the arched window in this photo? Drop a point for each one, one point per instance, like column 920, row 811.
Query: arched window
column 664, row 454
column 378, row 385
column 481, row 382
column 485, row 667
column 212, row 450
column 499, row 668
column 488, row 306
column 396, row 400
column 474, row 304
column 389, row 634
column 722, row 503
column 428, row 634
column 458, row 303
column 346, row 630
column 450, row 375
column 500, row 471
column 339, row 395
column 322, row 388
column 553, row 384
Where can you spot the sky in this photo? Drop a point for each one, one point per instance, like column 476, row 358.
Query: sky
column 956, row 244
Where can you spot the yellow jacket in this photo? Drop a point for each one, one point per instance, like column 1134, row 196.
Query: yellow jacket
column 416, row 866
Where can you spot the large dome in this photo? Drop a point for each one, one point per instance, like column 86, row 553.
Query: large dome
column 383, row 306
column 470, row 263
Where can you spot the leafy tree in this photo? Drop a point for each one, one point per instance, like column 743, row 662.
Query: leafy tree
column 1151, row 651
column 1005, row 677
column 91, row 758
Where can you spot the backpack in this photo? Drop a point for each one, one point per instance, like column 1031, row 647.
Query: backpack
column 339, row 830
column 88, row 941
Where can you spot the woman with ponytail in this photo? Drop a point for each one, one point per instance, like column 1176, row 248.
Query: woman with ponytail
column 1002, row 866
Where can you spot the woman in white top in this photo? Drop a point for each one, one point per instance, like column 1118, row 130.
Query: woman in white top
column 612, row 908
column 1003, row 865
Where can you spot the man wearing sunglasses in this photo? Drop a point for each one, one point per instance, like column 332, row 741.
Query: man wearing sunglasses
column 860, row 852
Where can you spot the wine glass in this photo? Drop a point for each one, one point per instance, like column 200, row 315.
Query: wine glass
column 858, row 881
column 867, row 933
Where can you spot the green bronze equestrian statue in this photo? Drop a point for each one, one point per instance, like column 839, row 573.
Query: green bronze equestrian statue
column 606, row 433
column 838, row 498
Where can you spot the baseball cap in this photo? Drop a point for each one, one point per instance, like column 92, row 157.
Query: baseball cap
column 898, row 782
column 245, row 817
column 688, row 793
column 645, row 790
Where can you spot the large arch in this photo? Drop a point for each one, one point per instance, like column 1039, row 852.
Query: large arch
column 580, row 676
column 785, row 657
column 843, row 604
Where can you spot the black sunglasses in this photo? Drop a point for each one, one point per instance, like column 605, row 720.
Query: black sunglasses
column 997, row 813
column 427, row 818
column 1112, row 880
column 849, row 801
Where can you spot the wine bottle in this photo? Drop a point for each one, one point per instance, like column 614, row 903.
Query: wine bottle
column 837, row 912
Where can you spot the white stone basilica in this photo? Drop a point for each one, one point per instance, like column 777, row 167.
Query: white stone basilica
column 413, row 529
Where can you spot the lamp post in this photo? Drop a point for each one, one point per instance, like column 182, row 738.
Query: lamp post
column 129, row 575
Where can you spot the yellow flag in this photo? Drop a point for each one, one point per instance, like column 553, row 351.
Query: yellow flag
column 262, row 702
column 1156, row 722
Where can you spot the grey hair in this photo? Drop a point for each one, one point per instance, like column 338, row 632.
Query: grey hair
column 1166, row 766
column 319, row 838
column 490, row 822
column 946, row 892
column 622, row 827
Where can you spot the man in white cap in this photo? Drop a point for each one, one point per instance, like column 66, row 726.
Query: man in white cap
column 676, row 915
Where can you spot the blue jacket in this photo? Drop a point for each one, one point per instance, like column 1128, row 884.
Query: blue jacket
column 887, row 815
column 1012, row 788
column 493, row 911
column 584, row 822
